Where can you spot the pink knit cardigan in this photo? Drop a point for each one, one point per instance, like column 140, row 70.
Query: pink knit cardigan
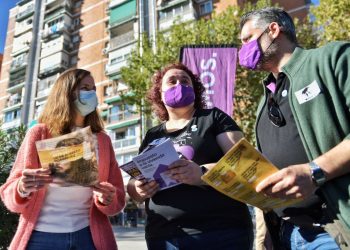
column 29, row 208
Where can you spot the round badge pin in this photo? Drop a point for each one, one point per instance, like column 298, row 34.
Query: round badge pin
column 284, row 93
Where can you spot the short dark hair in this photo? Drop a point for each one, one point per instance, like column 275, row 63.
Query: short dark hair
column 263, row 17
column 154, row 94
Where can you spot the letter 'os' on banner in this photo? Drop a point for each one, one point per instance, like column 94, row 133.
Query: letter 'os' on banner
column 216, row 67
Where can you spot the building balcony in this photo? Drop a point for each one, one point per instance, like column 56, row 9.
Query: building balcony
column 124, row 143
column 26, row 13
column 122, row 12
column 169, row 4
column 23, row 29
column 14, row 100
column 57, row 48
column 23, row 2
column 122, row 21
column 44, row 86
column 16, row 66
column 122, row 124
column 21, row 47
column 55, row 30
column 43, row 93
column 114, row 67
column 55, row 4
column 188, row 14
column 122, row 39
column 47, row 71
column 122, row 116
column 116, row 2
column 11, row 124
column 15, row 84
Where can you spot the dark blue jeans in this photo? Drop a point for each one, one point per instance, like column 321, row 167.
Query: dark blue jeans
column 79, row 240
column 228, row 239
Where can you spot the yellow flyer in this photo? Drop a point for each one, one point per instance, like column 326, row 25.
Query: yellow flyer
column 238, row 173
column 70, row 157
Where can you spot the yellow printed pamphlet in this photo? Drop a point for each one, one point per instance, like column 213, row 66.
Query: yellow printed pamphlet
column 239, row 171
column 71, row 157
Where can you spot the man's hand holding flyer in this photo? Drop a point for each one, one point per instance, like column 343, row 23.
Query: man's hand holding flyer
column 238, row 173
column 71, row 157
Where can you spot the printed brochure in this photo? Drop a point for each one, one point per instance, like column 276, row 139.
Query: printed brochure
column 153, row 162
column 71, row 157
column 239, row 171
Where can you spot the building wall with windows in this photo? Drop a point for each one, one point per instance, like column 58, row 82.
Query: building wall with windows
column 9, row 77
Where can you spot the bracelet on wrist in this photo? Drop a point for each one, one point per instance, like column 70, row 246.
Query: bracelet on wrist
column 317, row 174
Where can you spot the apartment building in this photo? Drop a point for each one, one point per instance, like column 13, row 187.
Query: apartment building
column 46, row 37
column 123, row 122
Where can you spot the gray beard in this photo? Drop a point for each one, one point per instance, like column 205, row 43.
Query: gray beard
column 268, row 57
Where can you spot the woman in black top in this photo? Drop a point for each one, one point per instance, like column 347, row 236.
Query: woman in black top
column 191, row 215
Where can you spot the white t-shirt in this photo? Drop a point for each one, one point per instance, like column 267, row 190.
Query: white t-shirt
column 65, row 209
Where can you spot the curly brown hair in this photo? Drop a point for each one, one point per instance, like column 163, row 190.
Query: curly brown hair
column 154, row 95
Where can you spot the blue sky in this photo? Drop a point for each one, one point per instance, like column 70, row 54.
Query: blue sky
column 5, row 6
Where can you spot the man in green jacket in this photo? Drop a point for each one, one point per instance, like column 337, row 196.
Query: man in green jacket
column 303, row 127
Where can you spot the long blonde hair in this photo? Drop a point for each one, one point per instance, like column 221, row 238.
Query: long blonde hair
column 59, row 111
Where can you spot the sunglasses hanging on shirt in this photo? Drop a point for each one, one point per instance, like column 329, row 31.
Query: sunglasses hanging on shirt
column 275, row 114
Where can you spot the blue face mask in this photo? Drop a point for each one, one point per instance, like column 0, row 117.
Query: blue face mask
column 87, row 103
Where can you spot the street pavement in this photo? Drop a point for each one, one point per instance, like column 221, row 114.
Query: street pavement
column 130, row 238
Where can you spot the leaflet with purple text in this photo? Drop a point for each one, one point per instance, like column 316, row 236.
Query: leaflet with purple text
column 152, row 164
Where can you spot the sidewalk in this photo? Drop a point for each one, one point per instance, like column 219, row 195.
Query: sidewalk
column 130, row 238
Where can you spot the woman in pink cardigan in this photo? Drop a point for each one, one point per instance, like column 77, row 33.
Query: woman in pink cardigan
column 56, row 215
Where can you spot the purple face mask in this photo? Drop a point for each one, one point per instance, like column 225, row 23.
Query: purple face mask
column 179, row 96
column 250, row 54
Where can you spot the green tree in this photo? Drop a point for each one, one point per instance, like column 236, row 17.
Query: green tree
column 221, row 29
column 9, row 145
column 332, row 20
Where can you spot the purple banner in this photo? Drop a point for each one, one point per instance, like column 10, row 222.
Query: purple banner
column 216, row 68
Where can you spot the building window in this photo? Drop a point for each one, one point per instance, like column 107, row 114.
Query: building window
column 206, row 8
column 55, row 22
column 77, row 4
column 178, row 10
column 124, row 158
column 106, row 90
column 128, row 132
column 121, row 112
column 111, row 89
column 125, row 137
column 120, row 135
column 73, row 60
column 76, row 22
column 117, row 60
column 76, row 39
column 162, row 15
column 12, row 115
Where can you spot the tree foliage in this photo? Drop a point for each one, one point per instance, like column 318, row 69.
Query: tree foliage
column 9, row 145
column 332, row 20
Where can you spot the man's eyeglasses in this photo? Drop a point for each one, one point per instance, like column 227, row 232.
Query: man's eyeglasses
column 275, row 114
